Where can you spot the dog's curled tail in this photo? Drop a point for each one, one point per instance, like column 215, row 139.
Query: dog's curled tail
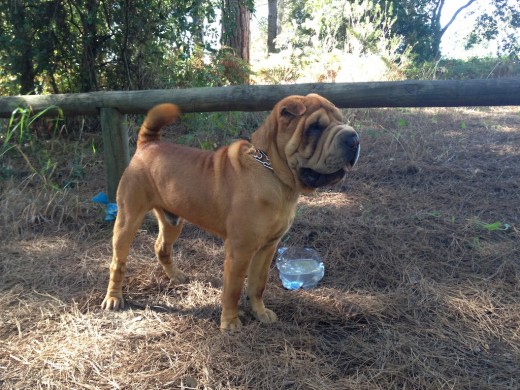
column 158, row 117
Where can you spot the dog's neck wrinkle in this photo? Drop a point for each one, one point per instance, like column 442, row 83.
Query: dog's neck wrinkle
column 262, row 140
column 281, row 169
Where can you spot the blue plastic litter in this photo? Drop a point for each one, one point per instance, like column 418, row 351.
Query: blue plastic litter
column 110, row 207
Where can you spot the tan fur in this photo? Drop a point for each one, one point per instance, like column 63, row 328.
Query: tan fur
column 227, row 193
column 158, row 117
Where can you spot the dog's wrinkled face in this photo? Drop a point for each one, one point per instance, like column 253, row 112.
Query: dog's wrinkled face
column 318, row 146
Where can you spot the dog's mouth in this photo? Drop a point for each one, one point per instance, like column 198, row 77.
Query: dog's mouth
column 313, row 179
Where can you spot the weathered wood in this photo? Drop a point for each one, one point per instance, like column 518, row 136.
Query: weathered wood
column 115, row 147
column 410, row 93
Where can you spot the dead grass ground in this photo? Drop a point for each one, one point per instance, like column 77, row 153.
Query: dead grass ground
column 420, row 292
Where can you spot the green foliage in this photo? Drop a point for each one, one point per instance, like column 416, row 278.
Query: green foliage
column 58, row 46
column 417, row 22
column 282, row 68
column 501, row 24
column 86, row 45
column 495, row 226
column 39, row 142
column 359, row 26
column 18, row 129
column 323, row 40
column 402, row 122
column 214, row 129
column 398, row 31
column 201, row 69
column 428, row 215
column 473, row 68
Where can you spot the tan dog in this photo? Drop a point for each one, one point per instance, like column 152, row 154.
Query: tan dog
column 244, row 193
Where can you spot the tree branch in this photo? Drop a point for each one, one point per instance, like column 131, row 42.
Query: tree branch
column 443, row 30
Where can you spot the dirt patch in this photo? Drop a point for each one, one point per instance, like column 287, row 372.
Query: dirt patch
column 422, row 285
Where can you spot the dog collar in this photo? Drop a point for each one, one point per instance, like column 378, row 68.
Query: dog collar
column 262, row 158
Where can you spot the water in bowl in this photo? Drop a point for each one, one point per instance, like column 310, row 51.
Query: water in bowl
column 300, row 268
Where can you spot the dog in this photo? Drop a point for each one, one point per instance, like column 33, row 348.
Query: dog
column 246, row 193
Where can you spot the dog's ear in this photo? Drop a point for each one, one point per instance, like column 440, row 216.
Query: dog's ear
column 293, row 107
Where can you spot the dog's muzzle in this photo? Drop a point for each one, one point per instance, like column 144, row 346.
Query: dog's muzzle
column 350, row 149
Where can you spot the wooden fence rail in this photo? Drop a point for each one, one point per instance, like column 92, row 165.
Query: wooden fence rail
column 411, row 93
column 111, row 106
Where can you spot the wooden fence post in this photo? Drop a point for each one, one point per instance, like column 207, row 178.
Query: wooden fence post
column 115, row 145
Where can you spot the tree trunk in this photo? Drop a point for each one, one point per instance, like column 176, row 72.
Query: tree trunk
column 198, row 24
column 23, row 63
column 438, row 32
column 91, row 43
column 281, row 16
column 236, row 27
column 272, row 25
column 27, row 72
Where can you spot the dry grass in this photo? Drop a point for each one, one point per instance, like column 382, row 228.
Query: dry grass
column 418, row 293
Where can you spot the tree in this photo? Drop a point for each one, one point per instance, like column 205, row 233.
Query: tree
column 23, row 64
column 294, row 17
column 27, row 41
column 419, row 23
column 272, row 25
column 235, row 39
column 236, row 31
column 87, row 45
column 91, row 42
column 501, row 24
column 350, row 26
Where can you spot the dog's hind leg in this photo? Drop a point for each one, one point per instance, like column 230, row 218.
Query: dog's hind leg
column 170, row 227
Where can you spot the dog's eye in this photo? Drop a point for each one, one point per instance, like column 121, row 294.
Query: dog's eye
column 315, row 129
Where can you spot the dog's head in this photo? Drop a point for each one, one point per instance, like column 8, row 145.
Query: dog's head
column 307, row 133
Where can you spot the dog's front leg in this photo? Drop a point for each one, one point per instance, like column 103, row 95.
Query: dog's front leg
column 238, row 257
column 256, row 280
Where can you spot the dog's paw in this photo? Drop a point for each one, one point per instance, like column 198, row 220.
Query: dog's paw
column 176, row 275
column 113, row 303
column 179, row 277
column 230, row 325
column 266, row 316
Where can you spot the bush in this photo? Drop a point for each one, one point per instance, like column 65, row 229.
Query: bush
column 474, row 68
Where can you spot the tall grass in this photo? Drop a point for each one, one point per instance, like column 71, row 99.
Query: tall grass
column 39, row 140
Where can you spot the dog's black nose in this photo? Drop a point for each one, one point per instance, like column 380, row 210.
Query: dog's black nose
column 352, row 148
column 352, row 141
